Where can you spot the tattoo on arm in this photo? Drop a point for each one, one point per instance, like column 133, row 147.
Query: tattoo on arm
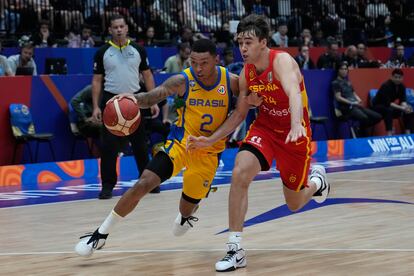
column 173, row 85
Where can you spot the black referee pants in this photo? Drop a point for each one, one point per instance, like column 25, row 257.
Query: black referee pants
column 111, row 145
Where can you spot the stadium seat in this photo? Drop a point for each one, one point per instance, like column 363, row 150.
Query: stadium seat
column 24, row 131
column 318, row 120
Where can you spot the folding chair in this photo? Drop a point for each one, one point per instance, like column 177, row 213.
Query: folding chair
column 24, row 131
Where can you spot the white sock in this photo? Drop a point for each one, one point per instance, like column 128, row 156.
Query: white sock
column 235, row 237
column 317, row 181
column 109, row 222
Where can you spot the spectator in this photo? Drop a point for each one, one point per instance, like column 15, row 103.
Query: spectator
column 303, row 59
column 178, row 62
column 24, row 59
column 397, row 59
column 390, row 101
column 4, row 65
column 223, row 36
column 350, row 104
column 82, row 40
column 186, row 35
column 280, row 38
column 82, row 112
column 306, row 38
column 44, row 38
column 330, row 59
column 228, row 57
column 319, row 39
column 149, row 40
column 362, row 60
column 350, row 56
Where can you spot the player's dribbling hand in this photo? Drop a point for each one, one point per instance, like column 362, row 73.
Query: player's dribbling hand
column 295, row 133
column 253, row 99
column 194, row 143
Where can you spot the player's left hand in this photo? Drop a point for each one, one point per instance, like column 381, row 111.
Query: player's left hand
column 295, row 133
column 155, row 111
column 194, row 143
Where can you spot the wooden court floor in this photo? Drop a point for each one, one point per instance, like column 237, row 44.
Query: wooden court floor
column 341, row 239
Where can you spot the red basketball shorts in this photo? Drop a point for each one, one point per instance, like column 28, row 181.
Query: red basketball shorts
column 292, row 159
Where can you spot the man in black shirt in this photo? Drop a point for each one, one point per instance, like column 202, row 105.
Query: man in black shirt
column 390, row 101
column 350, row 104
column 118, row 65
column 330, row 59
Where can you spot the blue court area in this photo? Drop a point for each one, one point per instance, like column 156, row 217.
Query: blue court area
column 353, row 154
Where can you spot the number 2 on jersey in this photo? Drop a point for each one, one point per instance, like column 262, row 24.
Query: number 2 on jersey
column 208, row 121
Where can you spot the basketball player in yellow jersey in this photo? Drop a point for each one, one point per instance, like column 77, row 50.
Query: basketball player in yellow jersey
column 206, row 90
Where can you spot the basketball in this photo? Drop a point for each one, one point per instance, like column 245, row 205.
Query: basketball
column 121, row 116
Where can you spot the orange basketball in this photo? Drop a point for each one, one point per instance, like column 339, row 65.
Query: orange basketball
column 121, row 116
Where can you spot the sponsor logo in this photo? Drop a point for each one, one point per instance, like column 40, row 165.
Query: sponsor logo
column 221, row 90
column 257, row 140
column 275, row 112
column 205, row 184
column 292, row 178
column 191, row 83
column 239, row 260
column 195, row 89
column 391, row 144
column 210, row 103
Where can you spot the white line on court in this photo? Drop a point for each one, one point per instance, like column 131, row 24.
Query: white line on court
column 350, row 250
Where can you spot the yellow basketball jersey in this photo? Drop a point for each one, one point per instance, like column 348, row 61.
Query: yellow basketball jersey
column 205, row 108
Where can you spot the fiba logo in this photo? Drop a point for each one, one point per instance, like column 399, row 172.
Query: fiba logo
column 192, row 83
column 221, row 90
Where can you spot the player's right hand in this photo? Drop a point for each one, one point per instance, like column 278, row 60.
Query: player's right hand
column 97, row 115
column 199, row 142
column 253, row 99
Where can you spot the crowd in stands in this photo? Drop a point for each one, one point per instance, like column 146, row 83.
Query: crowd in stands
column 294, row 23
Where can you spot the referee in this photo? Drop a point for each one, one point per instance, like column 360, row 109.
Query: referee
column 117, row 65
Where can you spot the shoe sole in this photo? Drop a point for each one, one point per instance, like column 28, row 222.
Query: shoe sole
column 230, row 269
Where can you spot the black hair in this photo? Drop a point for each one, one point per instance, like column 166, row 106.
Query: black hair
column 256, row 24
column 116, row 17
column 397, row 71
column 204, row 45
column 183, row 46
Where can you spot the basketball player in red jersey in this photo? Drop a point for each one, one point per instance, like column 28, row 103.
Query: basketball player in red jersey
column 271, row 80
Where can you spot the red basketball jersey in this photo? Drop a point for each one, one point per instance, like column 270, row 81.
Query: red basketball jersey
column 274, row 111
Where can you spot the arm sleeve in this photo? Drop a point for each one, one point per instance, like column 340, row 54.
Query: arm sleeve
column 144, row 65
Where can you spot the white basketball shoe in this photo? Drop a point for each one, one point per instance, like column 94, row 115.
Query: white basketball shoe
column 90, row 242
column 182, row 224
column 235, row 258
column 321, row 194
